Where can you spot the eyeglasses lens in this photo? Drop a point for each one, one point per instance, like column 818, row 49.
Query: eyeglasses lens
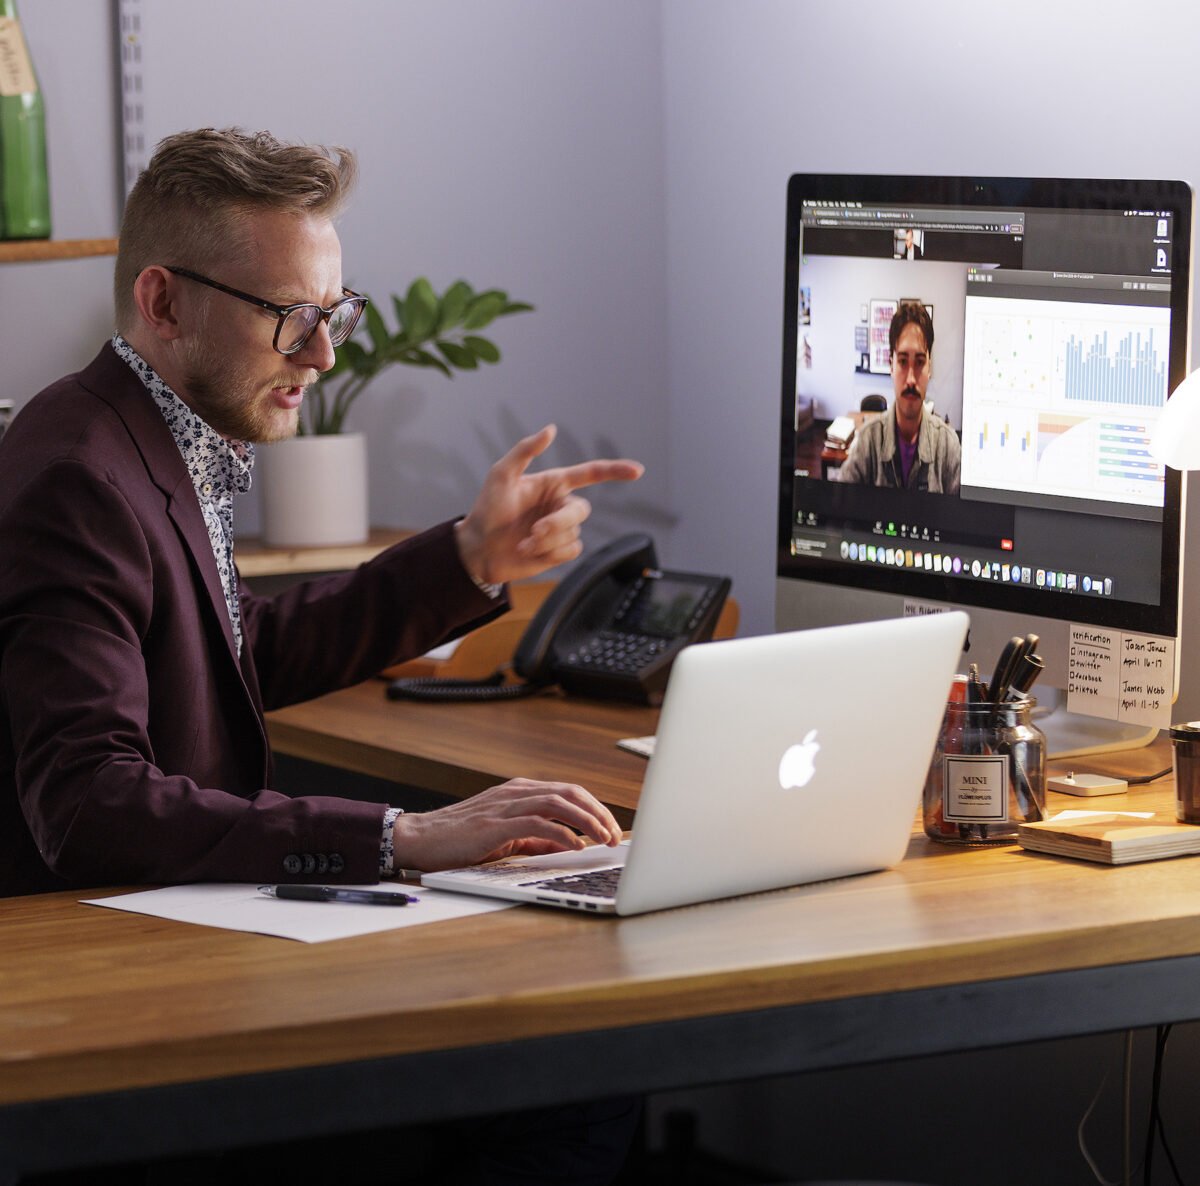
column 343, row 319
column 297, row 327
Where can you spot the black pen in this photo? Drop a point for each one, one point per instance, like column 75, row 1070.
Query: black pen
column 333, row 893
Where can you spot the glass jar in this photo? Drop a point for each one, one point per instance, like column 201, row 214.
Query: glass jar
column 988, row 773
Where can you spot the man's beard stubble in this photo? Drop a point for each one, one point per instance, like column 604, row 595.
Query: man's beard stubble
column 238, row 408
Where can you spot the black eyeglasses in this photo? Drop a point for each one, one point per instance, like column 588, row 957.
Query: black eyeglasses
column 297, row 323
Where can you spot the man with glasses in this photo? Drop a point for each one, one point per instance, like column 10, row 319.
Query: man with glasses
column 134, row 670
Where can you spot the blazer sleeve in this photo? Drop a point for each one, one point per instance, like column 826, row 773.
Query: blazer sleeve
column 338, row 630
column 128, row 724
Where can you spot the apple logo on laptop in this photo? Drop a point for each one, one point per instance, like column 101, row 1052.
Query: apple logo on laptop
column 798, row 764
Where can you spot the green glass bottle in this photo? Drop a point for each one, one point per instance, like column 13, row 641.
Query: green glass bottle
column 24, row 185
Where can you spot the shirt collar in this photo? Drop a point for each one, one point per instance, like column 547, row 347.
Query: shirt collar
column 217, row 466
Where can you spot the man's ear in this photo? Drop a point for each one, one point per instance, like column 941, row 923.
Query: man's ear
column 156, row 294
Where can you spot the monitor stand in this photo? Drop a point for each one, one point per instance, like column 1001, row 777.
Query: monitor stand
column 1074, row 735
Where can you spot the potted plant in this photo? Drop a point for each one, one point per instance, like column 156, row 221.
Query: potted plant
column 303, row 508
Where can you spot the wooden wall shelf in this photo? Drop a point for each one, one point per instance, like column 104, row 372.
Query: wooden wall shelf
column 36, row 250
column 254, row 559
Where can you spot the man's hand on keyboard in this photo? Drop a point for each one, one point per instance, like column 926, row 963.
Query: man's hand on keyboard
column 521, row 817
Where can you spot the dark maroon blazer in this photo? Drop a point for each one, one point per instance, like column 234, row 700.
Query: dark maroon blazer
column 132, row 742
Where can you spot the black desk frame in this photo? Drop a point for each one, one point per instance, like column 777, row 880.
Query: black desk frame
column 196, row 1117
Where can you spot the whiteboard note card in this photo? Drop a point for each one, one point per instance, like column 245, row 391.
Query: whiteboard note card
column 1120, row 676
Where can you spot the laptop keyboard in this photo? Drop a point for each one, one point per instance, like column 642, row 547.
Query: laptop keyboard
column 599, row 883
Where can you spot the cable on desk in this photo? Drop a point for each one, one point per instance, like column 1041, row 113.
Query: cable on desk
column 436, row 688
column 1133, row 782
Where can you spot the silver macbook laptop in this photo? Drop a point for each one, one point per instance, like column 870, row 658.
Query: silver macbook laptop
column 780, row 759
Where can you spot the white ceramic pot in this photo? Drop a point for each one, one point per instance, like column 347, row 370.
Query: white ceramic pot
column 313, row 490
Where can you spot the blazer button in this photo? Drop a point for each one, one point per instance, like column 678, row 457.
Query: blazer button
column 310, row 862
column 292, row 864
column 337, row 863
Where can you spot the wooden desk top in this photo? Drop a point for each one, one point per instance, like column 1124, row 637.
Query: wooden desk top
column 459, row 749
column 93, row 1000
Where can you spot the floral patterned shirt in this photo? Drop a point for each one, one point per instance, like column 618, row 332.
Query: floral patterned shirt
column 219, row 469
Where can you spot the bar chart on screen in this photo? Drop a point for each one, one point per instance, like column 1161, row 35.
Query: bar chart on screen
column 1126, row 370
column 1060, row 398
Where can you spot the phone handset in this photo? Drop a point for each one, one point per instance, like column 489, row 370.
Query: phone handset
column 584, row 597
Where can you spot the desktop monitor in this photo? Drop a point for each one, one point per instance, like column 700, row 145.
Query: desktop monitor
column 1059, row 316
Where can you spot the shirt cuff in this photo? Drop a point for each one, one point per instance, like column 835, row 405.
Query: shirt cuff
column 386, row 849
column 492, row 591
column 486, row 588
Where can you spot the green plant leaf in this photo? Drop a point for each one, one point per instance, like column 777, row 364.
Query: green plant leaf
column 484, row 309
column 341, row 363
column 420, row 310
column 483, row 348
column 458, row 356
column 422, row 358
column 424, row 318
column 454, row 304
column 354, row 356
column 376, row 328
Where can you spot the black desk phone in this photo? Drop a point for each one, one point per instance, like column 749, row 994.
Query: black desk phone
column 611, row 629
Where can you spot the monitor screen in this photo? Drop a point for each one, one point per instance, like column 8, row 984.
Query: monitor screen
column 972, row 369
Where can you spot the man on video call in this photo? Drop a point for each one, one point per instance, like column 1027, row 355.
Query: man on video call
column 905, row 447
column 134, row 668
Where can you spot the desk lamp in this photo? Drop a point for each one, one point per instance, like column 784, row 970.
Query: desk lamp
column 1175, row 440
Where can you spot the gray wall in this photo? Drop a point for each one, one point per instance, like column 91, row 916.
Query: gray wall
column 622, row 165
column 756, row 91
column 516, row 144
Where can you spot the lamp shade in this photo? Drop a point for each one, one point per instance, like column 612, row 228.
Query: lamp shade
column 1175, row 440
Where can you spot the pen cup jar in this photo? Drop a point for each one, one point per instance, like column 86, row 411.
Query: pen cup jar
column 988, row 773
column 1185, row 758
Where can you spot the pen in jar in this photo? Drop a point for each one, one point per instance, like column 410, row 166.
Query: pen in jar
column 334, row 893
column 974, row 734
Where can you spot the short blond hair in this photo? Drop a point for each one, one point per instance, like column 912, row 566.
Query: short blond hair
column 187, row 207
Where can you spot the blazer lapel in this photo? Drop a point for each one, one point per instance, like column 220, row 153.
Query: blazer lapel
column 113, row 381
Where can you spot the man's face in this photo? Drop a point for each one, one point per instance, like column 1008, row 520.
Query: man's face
column 908, row 240
column 232, row 375
column 911, row 370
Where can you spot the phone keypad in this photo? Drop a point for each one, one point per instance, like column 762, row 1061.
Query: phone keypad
column 617, row 651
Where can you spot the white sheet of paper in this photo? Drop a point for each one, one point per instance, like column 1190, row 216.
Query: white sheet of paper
column 1066, row 816
column 238, row 907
